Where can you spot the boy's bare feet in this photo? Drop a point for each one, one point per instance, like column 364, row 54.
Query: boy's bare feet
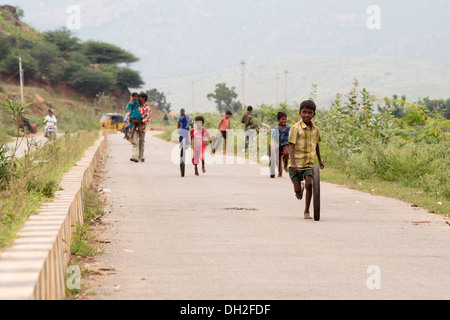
column 203, row 170
column 280, row 175
column 302, row 188
column 308, row 216
column 196, row 171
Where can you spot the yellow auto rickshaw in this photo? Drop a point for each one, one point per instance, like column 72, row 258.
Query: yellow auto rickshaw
column 112, row 121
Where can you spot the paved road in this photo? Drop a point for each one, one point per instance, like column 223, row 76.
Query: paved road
column 235, row 234
column 22, row 144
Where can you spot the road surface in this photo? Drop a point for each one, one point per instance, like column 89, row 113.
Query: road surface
column 234, row 234
column 22, row 144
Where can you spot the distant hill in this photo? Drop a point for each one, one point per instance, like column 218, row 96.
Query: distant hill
column 382, row 76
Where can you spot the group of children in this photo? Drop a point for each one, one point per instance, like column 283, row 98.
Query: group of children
column 296, row 147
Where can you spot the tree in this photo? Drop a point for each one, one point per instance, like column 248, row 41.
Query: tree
column 101, row 52
column 225, row 99
column 20, row 12
column 4, row 48
column 440, row 106
column 11, row 64
column 159, row 99
column 46, row 55
column 64, row 40
column 127, row 78
column 395, row 106
column 92, row 81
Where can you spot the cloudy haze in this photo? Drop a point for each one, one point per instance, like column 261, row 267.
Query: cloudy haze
column 181, row 38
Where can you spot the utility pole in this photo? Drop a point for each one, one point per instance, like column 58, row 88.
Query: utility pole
column 286, row 86
column 243, row 84
column 278, row 80
column 193, row 98
column 21, row 78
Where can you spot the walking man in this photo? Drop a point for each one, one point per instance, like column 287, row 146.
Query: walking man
column 139, row 146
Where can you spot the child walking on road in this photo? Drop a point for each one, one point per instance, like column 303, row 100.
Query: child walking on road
column 304, row 141
column 198, row 140
column 281, row 142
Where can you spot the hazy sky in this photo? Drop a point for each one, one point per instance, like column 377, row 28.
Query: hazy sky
column 186, row 37
column 190, row 36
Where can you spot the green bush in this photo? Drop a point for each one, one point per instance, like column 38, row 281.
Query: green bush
column 11, row 64
column 92, row 81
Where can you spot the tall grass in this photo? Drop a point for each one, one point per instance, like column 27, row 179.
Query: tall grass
column 32, row 179
column 413, row 152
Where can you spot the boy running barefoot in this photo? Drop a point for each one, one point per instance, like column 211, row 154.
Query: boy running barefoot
column 304, row 139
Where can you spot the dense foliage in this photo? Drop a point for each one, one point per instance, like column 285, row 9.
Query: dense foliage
column 91, row 67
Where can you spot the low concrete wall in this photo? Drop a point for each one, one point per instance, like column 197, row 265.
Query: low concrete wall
column 34, row 268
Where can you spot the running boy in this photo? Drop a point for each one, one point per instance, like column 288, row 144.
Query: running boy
column 224, row 126
column 198, row 138
column 281, row 142
column 136, row 119
column 304, row 141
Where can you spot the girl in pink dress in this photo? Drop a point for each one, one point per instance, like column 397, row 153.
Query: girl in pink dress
column 198, row 140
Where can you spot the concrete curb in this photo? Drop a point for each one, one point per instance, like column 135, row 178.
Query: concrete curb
column 34, row 268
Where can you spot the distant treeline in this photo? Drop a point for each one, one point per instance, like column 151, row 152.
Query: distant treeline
column 56, row 56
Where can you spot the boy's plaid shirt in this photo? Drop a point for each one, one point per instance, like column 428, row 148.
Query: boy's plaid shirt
column 305, row 141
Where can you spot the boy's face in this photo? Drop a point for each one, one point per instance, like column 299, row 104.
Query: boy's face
column 198, row 124
column 227, row 116
column 307, row 115
column 136, row 98
column 182, row 113
column 283, row 121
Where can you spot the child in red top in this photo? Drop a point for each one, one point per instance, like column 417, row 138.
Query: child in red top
column 198, row 138
column 224, row 126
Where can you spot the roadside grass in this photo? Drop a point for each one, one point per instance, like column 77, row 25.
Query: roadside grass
column 93, row 209
column 84, row 245
column 34, row 179
column 377, row 186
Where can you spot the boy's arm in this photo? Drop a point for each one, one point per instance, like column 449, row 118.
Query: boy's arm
column 292, row 156
column 322, row 166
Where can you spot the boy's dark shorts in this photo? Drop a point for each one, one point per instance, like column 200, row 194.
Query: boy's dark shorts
column 298, row 176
